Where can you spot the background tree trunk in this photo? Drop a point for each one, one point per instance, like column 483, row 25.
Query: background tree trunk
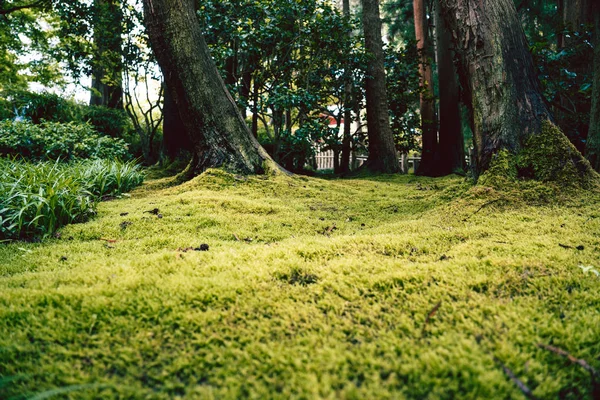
column 107, row 67
column 347, row 135
column 502, row 89
column 213, row 122
column 451, row 143
column 428, row 119
column 592, row 150
column 382, row 150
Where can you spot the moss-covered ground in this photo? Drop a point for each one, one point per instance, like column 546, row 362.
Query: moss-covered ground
column 367, row 288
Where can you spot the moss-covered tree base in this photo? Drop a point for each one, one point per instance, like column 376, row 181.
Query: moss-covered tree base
column 548, row 157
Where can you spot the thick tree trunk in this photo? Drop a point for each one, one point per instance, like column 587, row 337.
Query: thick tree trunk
column 592, row 150
column 501, row 86
column 213, row 122
column 382, row 151
column 347, row 136
column 107, row 67
column 451, row 143
column 427, row 106
column 429, row 140
column 175, row 138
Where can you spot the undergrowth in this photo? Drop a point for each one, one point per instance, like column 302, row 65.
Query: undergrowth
column 374, row 287
column 37, row 199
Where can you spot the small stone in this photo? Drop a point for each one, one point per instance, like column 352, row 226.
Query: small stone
column 580, row 247
column 63, row 258
column 203, row 247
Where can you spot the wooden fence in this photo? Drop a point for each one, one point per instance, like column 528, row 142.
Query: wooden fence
column 324, row 160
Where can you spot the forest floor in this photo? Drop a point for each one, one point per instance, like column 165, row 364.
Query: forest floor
column 367, row 288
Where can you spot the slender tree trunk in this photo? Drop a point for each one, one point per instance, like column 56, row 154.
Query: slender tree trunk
column 212, row 120
column 347, row 135
column 382, row 151
column 427, row 108
column 451, row 143
column 592, row 150
column 107, row 67
column 501, row 87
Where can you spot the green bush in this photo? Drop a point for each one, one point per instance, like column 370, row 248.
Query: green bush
column 39, row 107
column 108, row 121
column 37, row 199
column 53, row 140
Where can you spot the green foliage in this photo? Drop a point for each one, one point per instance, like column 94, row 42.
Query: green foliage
column 283, row 305
column 39, row 107
column 53, row 140
column 37, row 199
column 402, row 71
column 108, row 121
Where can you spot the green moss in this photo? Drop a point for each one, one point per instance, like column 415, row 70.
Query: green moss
column 310, row 288
column 551, row 157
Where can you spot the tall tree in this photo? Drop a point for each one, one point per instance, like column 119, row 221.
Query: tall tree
column 500, row 85
column 428, row 118
column 451, row 154
column 107, row 67
column 214, row 124
column 347, row 135
column 382, row 151
column 592, row 150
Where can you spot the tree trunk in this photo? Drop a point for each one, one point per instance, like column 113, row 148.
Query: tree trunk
column 382, row 151
column 501, row 87
column 212, row 120
column 592, row 150
column 427, row 106
column 451, row 143
column 347, row 135
column 175, row 138
column 107, row 67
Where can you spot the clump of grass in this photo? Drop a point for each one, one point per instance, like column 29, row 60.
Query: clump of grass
column 296, row 276
column 37, row 199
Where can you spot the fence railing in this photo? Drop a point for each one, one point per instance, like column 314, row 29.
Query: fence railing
column 325, row 161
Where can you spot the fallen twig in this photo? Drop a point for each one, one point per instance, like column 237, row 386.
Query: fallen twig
column 571, row 358
column 522, row 386
column 482, row 207
column 109, row 240
column 430, row 315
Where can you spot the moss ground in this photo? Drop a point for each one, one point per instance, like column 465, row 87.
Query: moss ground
column 311, row 288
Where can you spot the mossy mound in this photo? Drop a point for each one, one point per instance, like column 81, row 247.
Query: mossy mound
column 547, row 168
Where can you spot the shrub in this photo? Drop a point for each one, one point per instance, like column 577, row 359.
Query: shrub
column 53, row 140
column 107, row 121
column 37, row 199
column 39, row 107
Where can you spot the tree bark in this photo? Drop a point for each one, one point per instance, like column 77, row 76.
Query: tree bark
column 107, row 67
column 347, row 135
column 175, row 138
column 382, row 151
column 592, row 150
column 212, row 120
column 427, row 107
column 451, row 143
column 501, row 87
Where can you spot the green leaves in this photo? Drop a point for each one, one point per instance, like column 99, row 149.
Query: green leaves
column 37, row 199
column 52, row 141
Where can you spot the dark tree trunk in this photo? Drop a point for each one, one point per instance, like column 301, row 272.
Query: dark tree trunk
column 427, row 107
column 451, row 143
column 254, row 108
column 592, row 150
column 382, row 151
column 107, row 67
column 347, row 136
column 175, row 138
column 216, row 129
column 501, row 87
